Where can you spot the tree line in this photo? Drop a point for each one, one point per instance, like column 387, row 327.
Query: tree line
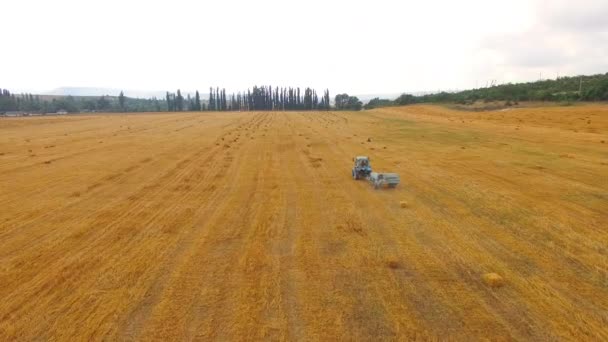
column 74, row 104
column 561, row 89
column 12, row 102
column 257, row 98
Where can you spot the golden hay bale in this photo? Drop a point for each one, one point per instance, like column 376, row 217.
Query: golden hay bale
column 493, row 280
column 403, row 204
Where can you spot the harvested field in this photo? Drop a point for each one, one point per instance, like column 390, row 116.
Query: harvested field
column 242, row 226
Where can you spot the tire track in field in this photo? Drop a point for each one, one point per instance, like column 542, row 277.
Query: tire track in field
column 95, row 186
column 138, row 318
column 180, row 248
column 169, row 174
column 199, row 273
column 94, row 189
column 110, row 223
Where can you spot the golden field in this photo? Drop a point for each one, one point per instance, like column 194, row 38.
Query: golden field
column 248, row 226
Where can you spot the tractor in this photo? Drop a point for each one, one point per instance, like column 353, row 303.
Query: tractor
column 363, row 170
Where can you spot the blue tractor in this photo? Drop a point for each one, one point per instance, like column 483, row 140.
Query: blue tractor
column 362, row 168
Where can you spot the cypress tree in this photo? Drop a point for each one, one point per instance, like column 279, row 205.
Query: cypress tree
column 197, row 101
column 179, row 101
column 121, row 100
column 169, row 109
column 211, row 105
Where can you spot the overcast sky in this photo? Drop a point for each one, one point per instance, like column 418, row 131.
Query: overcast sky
column 360, row 47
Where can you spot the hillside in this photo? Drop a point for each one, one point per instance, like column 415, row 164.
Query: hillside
column 563, row 89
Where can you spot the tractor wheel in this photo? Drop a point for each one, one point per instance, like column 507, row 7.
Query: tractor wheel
column 355, row 175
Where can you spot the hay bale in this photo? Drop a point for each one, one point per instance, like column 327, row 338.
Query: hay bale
column 403, row 204
column 392, row 263
column 493, row 280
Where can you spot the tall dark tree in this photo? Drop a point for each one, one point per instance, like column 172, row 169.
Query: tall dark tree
column 121, row 100
column 197, row 101
column 179, row 101
column 169, row 106
column 211, row 105
column 218, row 99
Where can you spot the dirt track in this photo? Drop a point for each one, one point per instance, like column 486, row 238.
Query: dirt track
column 245, row 226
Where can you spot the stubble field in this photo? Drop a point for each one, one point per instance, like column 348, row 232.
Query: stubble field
column 247, row 226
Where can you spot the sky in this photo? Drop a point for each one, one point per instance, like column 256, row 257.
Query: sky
column 358, row 47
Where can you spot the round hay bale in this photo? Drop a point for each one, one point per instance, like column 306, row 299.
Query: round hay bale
column 493, row 280
column 403, row 204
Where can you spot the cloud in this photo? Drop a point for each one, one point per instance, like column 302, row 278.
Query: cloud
column 565, row 38
column 353, row 46
column 583, row 15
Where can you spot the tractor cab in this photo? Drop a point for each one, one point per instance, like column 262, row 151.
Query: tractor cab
column 362, row 161
column 362, row 167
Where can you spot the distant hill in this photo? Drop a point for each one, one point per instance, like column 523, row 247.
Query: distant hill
column 391, row 96
column 366, row 97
